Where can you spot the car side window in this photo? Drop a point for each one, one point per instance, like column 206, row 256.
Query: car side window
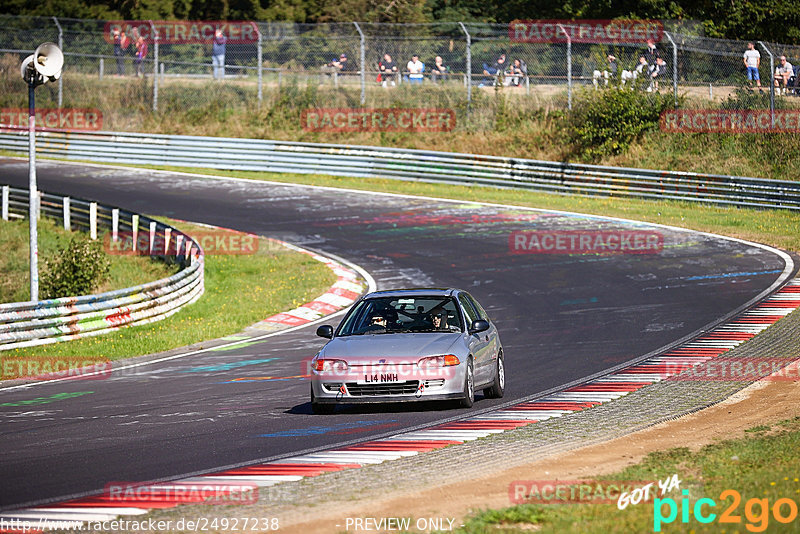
column 469, row 311
column 478, row 308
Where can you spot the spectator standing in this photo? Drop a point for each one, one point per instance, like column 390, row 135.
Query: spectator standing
column 783, row 72
column 121, row 42
column 752, row 61
column 388, row 69
column 415, row 68
column 218, row 54
column 655, row 71
column 652, row 53
column 439, row 69
column 141, row 53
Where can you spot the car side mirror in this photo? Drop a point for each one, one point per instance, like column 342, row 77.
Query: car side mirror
column 325, row 331
column 478, row 326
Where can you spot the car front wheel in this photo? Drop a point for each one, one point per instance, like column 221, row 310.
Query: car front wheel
column 320, row 409
column 469, row 387
column 498, row 387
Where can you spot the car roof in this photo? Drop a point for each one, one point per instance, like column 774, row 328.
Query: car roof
column 414, row 292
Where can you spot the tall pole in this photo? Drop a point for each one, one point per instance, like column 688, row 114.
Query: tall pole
column 61, row 46
column 33, row 198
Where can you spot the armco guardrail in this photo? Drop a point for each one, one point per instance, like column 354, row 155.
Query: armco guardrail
column 406, row 164
column 26, row 324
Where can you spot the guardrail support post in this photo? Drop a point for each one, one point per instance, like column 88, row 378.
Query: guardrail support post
column 771, row 83
column 5, row 202
column 67, row 222
column 115, row 224
column 135, row 232
column 93, row 220
column 363, row 65
column 152, row 237
column 167, row 236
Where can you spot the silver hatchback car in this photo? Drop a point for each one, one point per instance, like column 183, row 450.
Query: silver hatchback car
column 408, row 345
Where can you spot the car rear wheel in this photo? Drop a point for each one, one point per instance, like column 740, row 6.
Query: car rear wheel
column 498, row 387
column 320, row 409
column 469, row 387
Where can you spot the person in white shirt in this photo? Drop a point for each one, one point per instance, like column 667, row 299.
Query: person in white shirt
column 783, row 72
column 752, row 60
column 415, row 68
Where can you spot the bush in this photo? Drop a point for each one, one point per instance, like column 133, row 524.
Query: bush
column 77, row 269
column 605, row 123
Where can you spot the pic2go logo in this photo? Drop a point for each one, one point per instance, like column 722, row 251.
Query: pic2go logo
column 756, row 511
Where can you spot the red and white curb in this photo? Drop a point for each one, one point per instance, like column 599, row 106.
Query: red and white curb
column 170, row 494
column 347, row 289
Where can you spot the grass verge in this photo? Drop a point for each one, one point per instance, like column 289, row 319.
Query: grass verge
column 239, row 290
column 126, row 271
column 761, row 469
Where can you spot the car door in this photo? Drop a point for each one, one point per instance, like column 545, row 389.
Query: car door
column 479, row 344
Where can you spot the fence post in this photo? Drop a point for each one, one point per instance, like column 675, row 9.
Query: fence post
column 93, row 220
column 771, row 83
column 569, row 67
column 5, row 203
column 60, row 78
column 155, row 65
column 102, row 68
column 67, row 214
column 468, row 66
column 674, row 68
column 259, row 59
column 363, row 65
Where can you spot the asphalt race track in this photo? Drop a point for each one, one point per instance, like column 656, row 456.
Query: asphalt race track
column 561, row 317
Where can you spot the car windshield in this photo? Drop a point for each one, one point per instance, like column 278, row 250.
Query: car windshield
column 392, row 315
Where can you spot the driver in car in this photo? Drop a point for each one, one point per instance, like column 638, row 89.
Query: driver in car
column 439, row 319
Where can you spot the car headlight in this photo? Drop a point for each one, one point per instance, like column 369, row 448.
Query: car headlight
column 438, row 361
column 323, row 365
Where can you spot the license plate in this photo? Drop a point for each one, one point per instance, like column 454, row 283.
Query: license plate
column 380, row 378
